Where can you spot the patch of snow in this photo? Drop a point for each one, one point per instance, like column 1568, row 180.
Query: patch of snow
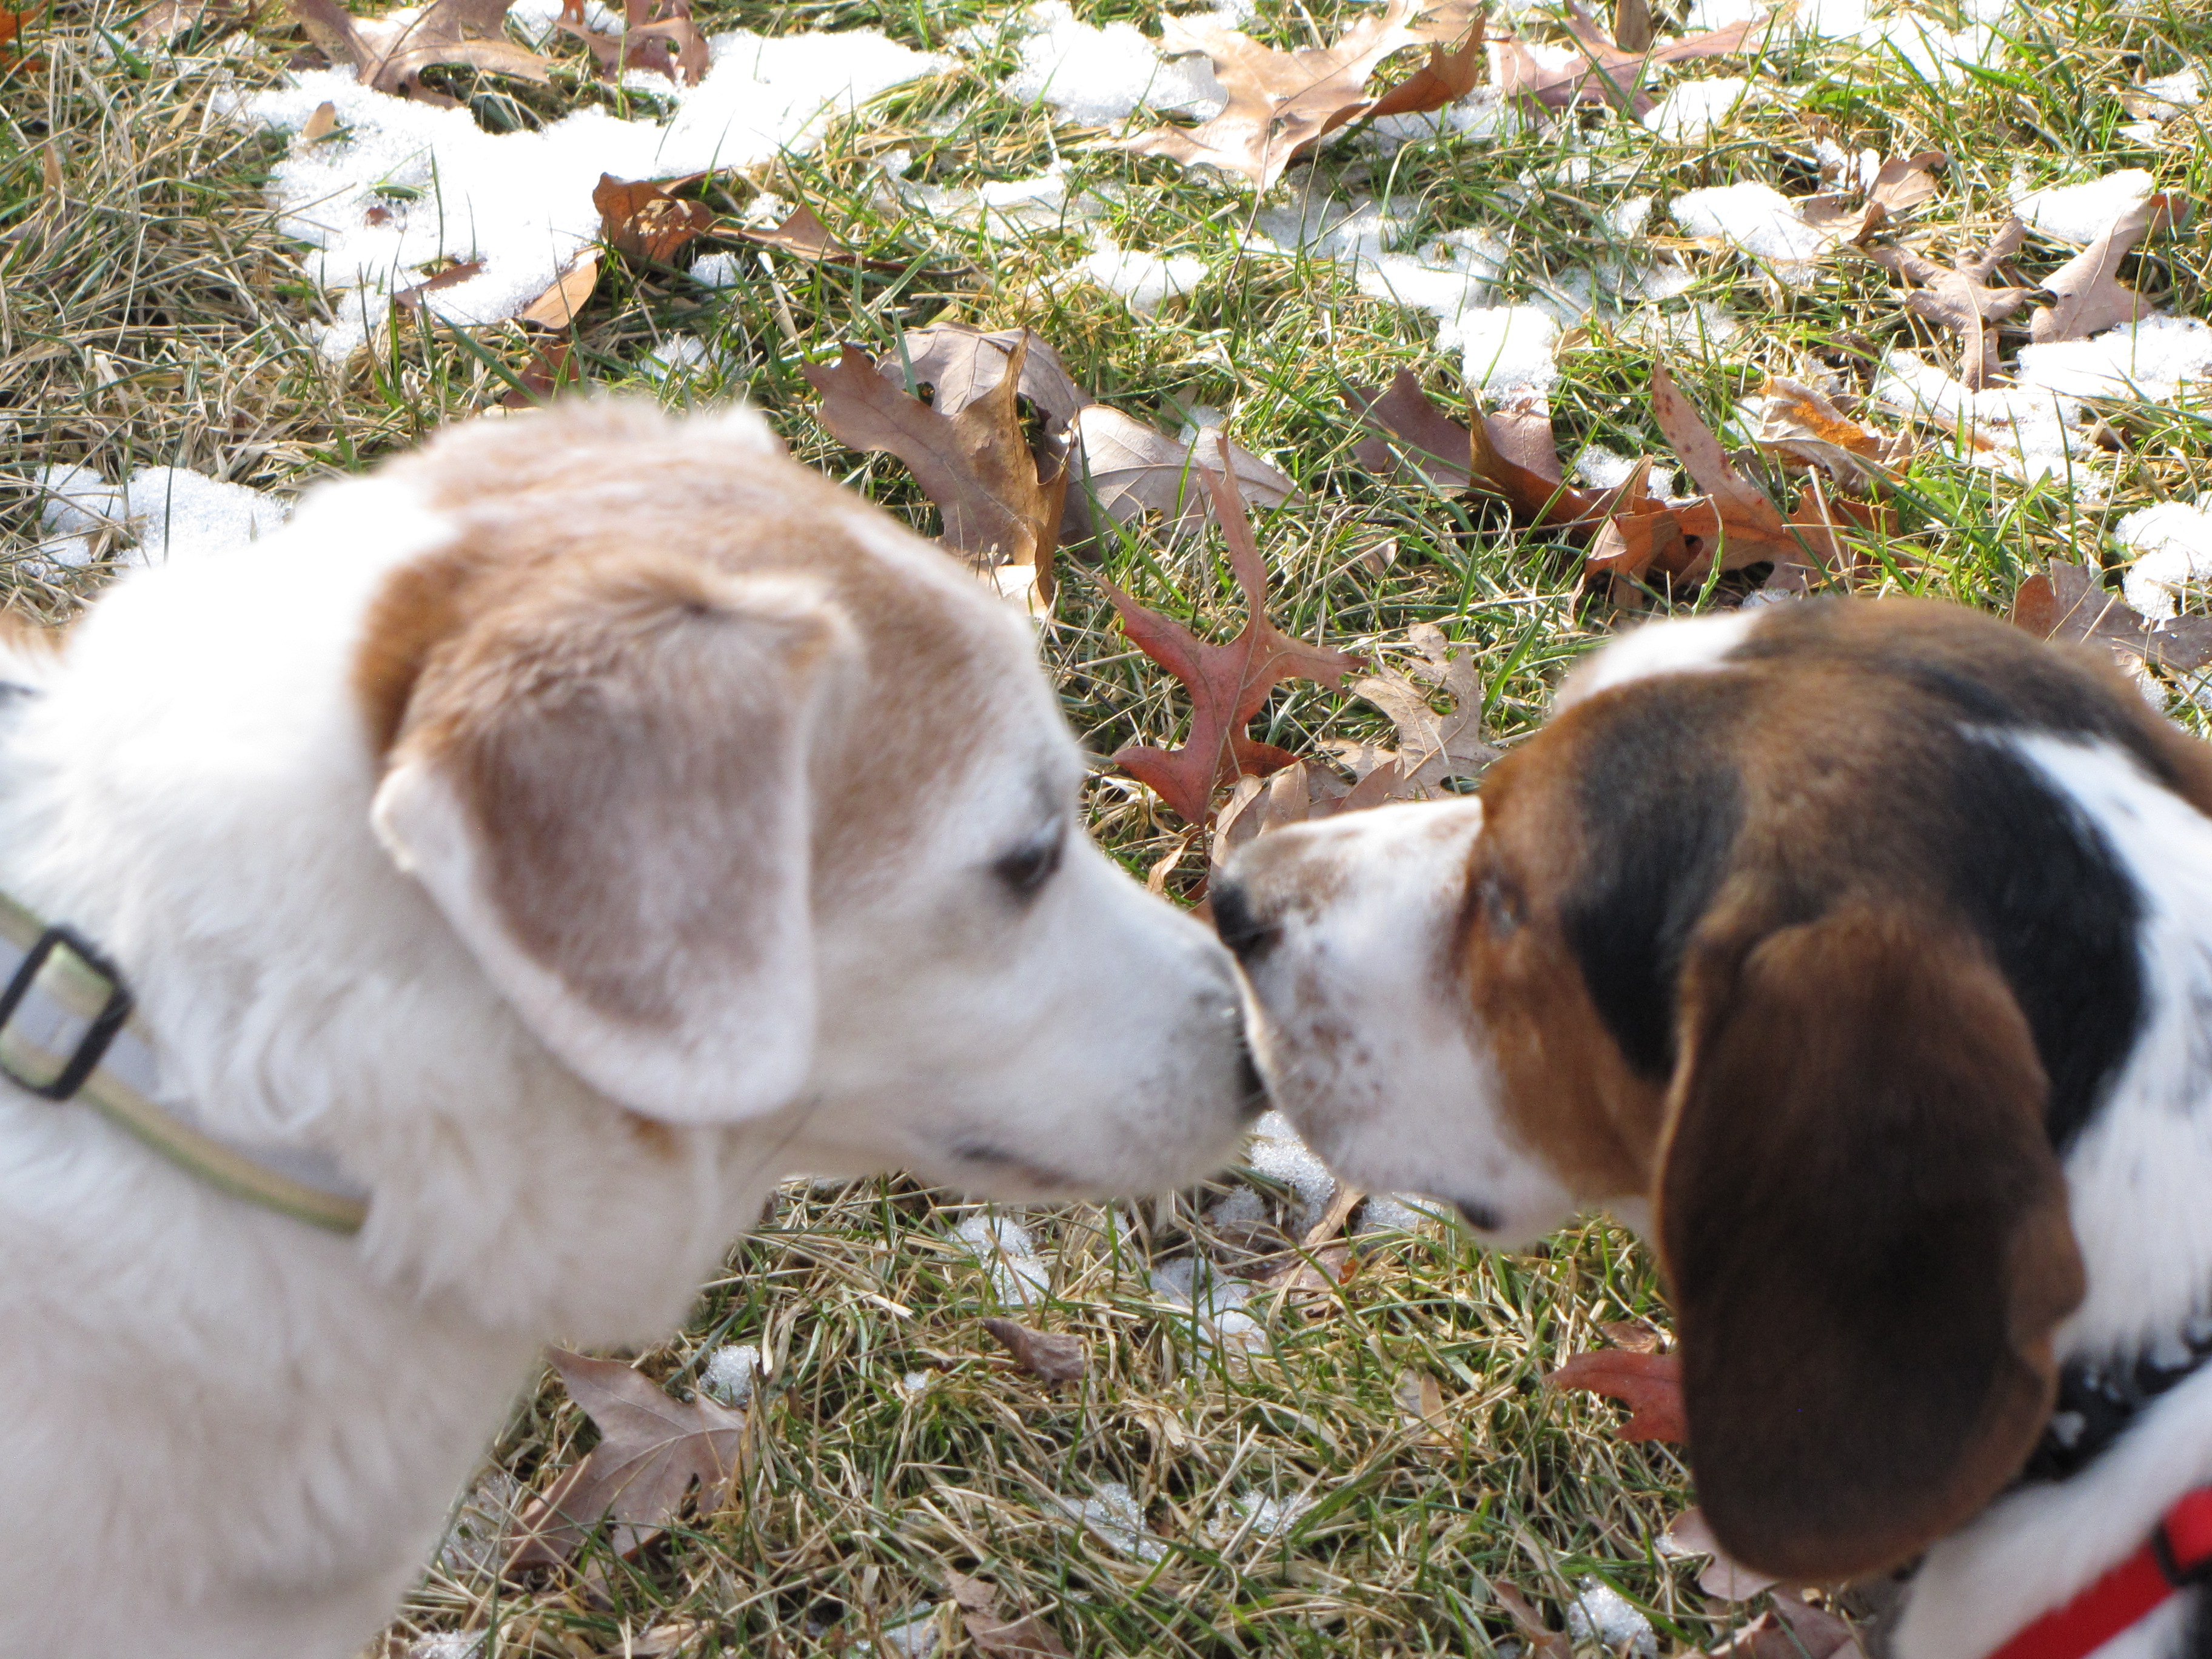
column 682, row 357
column 1100, row 77
column 1625, row 219
column 2151, row 359
column 915, row 1637
column 2170, row 94
column 448, row 1645
column 1143, row 280
column 2082, row 213
column 1399, row 1213
column 1112, row 1516
column 1757, row 218
column 1277, row 1152
column 1693, row 108
column 1215, row 1302
column 1272, row 1517
column 733, row 1371
column 1601, row 1614
column 1047, row 201
column 1020, row 1278
column 719, row 270
column 172, row 510
column 2175, row 544
column 477, row 1536
column 1506, row 349
column 534, row 19
column 2028, row 431
column 403, row 185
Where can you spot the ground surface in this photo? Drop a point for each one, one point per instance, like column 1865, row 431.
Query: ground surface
column 153, row 314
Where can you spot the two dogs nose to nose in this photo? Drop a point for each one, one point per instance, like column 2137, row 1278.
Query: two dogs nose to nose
column 1240, row 927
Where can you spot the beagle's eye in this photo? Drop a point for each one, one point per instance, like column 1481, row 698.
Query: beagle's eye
column 1027, row 868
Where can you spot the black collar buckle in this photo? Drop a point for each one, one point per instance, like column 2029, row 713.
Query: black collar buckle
column 61, row 946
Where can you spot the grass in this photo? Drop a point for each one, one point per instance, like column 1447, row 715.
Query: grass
column 151, row 313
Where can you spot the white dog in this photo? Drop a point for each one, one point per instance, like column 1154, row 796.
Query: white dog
column 519, row 863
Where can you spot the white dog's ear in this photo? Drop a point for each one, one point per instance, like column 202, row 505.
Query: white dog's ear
column 602, row 780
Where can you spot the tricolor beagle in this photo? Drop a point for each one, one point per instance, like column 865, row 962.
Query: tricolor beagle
column 519, row 863
column 1860, row 955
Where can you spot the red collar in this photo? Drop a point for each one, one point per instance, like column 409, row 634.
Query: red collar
column 2179, row 1555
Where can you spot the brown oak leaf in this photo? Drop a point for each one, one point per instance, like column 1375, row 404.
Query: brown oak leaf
column 1648, row 1384
column 1026, row 1637
column 1131, row 469
column 1612, row 72
column 1227, row 683
column 1543, row 1639
column 1791, row 1630
column 390, row 56
column 557, row 307
column 652, row 1449
column 1001, row 511
column 657, row 35
column 1282, row 103
column 1509, row 453
column 410, row 298
column 1433, row 749
column 803, row 234
column 2090, row 295
column 1800, row 421
column 2067, row 601
column 1961, row 297
column 641, row 219
column 1054, row 1356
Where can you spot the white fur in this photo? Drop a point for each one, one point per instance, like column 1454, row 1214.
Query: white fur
column 1361, row 1029
column 1688, row 645
column 225, row 1433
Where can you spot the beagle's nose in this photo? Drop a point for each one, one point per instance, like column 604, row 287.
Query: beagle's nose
column 1240, row 927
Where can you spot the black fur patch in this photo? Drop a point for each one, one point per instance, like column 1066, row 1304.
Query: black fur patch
column 1661, row 809
column 2039, row 883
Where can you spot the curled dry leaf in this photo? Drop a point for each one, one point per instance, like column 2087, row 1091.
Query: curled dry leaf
column 1131, row 469
column 411, row 299
column 1612, row 72
column 641, row 219
column 1648, row 1384
column 2067, row 601
column 1903, row 182
column 1026, row 1637
column 1961, row 298
column 1543, row 1639
column 1509, row 453
column 1283, row 103
column 803, row 234
column 652, row 1449
column 551, row 366
column 1792, row 1631
column 1421, row 1406
column 1001, row 511
column 658, row 35
column 558, row 305
column 1227, row 683
column 1056, row 1357
column 1798, row 421
column 1636, row 1335
column 390, row 56
column 1688, row 1535
column 2090, row 297
column 1433, row 749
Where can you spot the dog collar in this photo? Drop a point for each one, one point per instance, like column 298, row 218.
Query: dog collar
column 2178, row 1555
column 66, row 1034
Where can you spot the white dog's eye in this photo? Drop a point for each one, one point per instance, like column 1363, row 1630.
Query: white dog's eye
column 1028, row 868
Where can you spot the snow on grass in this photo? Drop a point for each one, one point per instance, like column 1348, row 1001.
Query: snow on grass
column 1600, row 1613
column 1112, row 1516
column 1760, row 220
column 1694, row 108
column 2081, row 213
column 2153, row 360
column 402, row 187
column 733, row 1371
column 1214, row 1304
column 2175, row 544
column 1099, row 76
column 1143, row 281
column 1008, row 1254
column 170, row 512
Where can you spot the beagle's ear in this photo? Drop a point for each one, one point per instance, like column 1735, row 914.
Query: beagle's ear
column 602, row 782
column 1865, row 1230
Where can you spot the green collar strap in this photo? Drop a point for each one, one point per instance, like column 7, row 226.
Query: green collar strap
column 66, row 1034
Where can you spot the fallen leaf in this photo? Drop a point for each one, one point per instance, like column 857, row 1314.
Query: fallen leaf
column 1282, row 103
column 1636, row 1335
column 321, row 122
column 551, row 366
column 657, row 35
column 1542, row 1637
column 1792, row 1631
column 1132, row 469
column 165, row 20
column 2066, row 602
column 1961, row 297
column 1509, row 453
column 961, row 364
column 390, row 56
column 1840, row 219
column 1631, row 25
column 1906, row 181
column 803, row 235
column 1611, row 72
column 1056, row 1358
column 1687, row 1533
column 411, row 299
column 652, row 1449
column 1447, row 76
column 11, row 30
column 1227, row 683
column 1433, row 749
column 1421, row 1406
column 1650, row 1384
column 1797, row 421
column 557, row 307
column 641, row 219
column 2091, row 297
column 659, row 1641
column 1000, row 512
column 1027, row 1637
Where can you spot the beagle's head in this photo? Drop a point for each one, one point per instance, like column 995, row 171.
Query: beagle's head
column 1779, row 941
column 758, row 811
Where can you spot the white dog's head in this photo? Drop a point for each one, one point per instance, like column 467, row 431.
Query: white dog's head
column 749, row 802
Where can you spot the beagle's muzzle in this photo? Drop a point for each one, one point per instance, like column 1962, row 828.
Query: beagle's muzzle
column 1860, row 955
